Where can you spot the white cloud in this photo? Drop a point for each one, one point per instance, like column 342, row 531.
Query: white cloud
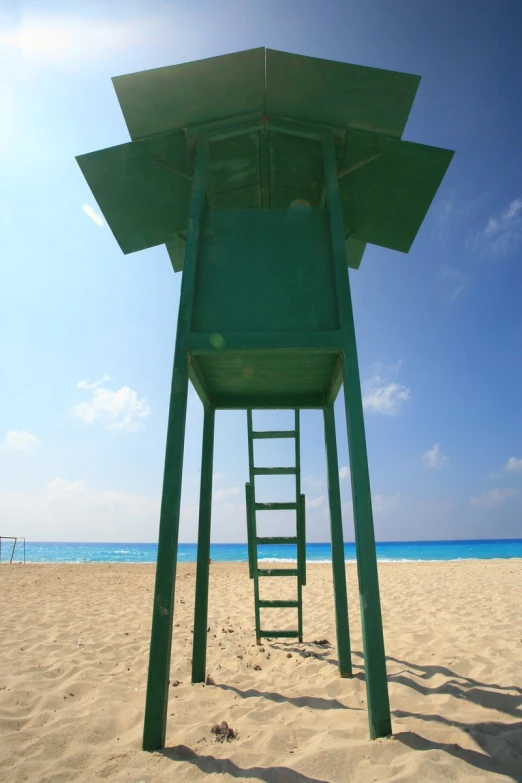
column 19, row 440
column 221, row 494
column 455, row 281
column 120, row 410
column 513, row 465
column 386, row 398
column 315, row 502
column 218, row 476
column 314, row 482
column 92, row 214
column 75, row 37
column 434, row 458
column 383, row 503
column 503, row 232
column 493, row 498
column 344, row 473
column 94, row 384
column 70, row 510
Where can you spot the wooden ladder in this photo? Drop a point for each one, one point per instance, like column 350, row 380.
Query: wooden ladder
column 299, row 540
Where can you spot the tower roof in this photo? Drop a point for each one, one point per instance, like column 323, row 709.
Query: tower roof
column 386, row 185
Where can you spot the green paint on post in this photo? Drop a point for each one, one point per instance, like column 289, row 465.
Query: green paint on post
column 371, row 620
column 338, row 565
column 199, row 643
column 163, row 609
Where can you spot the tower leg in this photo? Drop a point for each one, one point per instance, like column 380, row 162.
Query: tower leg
column 371, row 619
column 163, row 608
column 376, row 682
column 199, row 645
column 338, row 565
column 156, row 702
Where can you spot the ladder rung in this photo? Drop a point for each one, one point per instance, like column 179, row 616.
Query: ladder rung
column 278, row 604
column 277, row 540
column 275, row 506
column 273, row 434
column 280, row 634
column 277, row 572
column 274, row 471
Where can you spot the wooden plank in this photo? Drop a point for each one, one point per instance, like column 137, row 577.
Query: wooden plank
column 301, row 534
column 336, row 532
column 275, row 471
column 199, row 384
column 275, row 506
column 163, row 608
column 253, row 521
column 267, row 402
column 250, row 536
column 262, row 435
column 279, row 634
column 199, row 642
column 276, row 540
column 277, row 572
column 320, row 342
column 278, row 604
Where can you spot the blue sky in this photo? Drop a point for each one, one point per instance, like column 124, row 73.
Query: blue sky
column 87, row 334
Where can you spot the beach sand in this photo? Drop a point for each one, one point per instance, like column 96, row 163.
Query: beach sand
column 73, row 663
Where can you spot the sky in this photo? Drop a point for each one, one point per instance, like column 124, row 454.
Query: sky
column 87, row 334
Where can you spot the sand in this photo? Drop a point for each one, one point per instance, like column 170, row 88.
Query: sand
column 73, row 660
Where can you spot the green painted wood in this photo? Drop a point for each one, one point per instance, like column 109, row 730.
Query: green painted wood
column 301, row 535
column 265, row 342
column 250, row 538
column 279, row 634
column 338, row 94
column 276, row 540
column 338, row 565
column 268, row 401
column 371, row 620
column 158, row 100
column 199, row 384
column 277, row 572
column 199, row 641
column 253, row 522
column 386, row 201
column 301, row 546
column 163, row 608
column 176, row 250
column 288, row 275
column 278, row 604
column 275, row 506
column 264, row 169
column 263, row 435
column 336, row 382
column 142, row 189
column 275, row 471
column 233, row 378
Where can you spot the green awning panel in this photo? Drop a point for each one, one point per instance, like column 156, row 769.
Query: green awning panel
column 385, row 200
column 338, row 94
column 189, row 94
column 142, row 189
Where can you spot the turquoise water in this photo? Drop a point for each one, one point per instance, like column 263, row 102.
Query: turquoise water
column 62, row 552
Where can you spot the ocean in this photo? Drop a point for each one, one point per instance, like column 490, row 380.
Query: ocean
column 399, row 551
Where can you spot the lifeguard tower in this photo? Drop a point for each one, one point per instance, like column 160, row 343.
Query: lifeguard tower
column 265, row 174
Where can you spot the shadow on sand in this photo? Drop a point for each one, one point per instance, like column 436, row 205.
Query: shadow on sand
column 211, row 765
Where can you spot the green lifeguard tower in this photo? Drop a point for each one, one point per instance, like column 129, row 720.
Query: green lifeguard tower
column 265, row 174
